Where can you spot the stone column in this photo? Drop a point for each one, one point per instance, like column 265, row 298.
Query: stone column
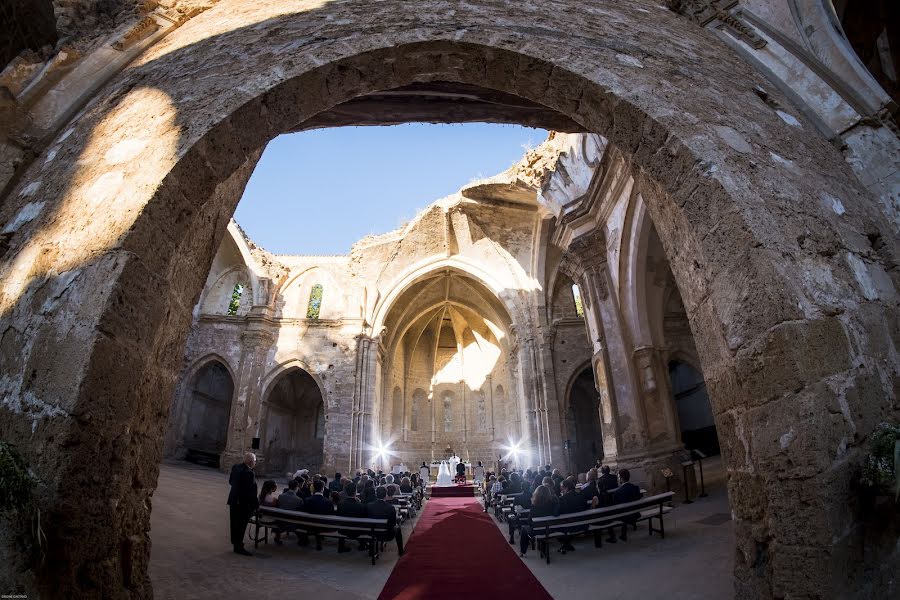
column 662, row 424
column 244, row 422
column 628, row 438
column 362, row 423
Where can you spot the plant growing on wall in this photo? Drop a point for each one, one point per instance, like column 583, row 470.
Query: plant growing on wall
column 235, row 303
column 17, row 503
column 315, row 302
column 881, row 471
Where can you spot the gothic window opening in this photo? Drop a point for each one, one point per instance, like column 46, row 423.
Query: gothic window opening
column 235, row 302
column 315, row 302
column 576, row 296
column 448, row 414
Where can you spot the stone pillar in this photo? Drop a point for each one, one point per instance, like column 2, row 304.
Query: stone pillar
column 628, row 438
column 244, row 423
column 662, row 423
column 363, row 412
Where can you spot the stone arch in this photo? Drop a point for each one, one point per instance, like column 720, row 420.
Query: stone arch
column 291, row 413
column 582, row 419
column 695, row 417
column 177, row 441
column 430, row 266
column 734, row 223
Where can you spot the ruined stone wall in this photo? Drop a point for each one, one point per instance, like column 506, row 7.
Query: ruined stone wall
column 786, row 263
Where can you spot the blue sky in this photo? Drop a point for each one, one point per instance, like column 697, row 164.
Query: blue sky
column 317, row 192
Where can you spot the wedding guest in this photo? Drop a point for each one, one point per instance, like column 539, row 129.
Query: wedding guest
column 242, row 500
column 351, row 507
column 543, row 504
column 380, row 509
column 267, row 497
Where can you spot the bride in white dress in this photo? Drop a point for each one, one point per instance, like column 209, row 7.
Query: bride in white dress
column 443, row 477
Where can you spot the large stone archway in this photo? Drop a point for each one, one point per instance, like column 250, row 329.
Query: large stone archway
column 783, row 261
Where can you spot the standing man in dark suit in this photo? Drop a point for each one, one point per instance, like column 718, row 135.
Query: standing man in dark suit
column 242, row 500
column 380, row 509
column 627, row 492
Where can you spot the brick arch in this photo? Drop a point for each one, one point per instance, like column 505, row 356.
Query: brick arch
column 742, row 202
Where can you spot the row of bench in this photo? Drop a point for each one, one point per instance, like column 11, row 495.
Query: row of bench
column 545, row 529
column 331, row 526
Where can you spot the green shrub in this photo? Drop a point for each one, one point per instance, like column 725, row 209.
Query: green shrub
column 17, row 486
column 881, row 470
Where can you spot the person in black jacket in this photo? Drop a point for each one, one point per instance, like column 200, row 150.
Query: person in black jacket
column 351, row 507
column 242, row 500
column 543, row 504
column 380, row 509
column 318, row 504
column 461, row 470
column 367, row 496
column 607, row 480
column 627, row 492
column 570, row 502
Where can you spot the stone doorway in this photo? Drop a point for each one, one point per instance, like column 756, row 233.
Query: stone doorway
column 585, row 439
column 294, row 418
column 695, row 416
column 206, row 431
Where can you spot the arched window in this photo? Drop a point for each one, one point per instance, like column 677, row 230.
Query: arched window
column 418, row 401
column 315, row 302
column 448, row 411
column 576, row 296
column 235, row 303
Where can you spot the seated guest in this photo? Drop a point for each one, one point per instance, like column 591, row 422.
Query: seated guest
column 590, row 492
column 406, row 485
column 318, row 504
column 380, row 509
column 351, row 507
column 337, row 484
column 627, row 492
column 391, row 494
column 557, row 478
column 288, row 500
column 543, row 504
column 571, row 501
column 389, row 479
column 515, row 484
column 368, row 493
column 547, row 482
column 607, row 480
column 267, row 496
column 303, row 489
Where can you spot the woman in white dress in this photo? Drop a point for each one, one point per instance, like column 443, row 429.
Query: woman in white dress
column 444, row 475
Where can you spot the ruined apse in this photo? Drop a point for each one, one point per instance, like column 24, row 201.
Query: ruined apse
column 482, row 325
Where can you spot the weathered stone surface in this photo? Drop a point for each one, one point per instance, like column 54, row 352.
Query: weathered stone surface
column 83, row 288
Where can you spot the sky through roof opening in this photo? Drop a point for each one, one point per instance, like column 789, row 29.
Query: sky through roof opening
column 318, row 192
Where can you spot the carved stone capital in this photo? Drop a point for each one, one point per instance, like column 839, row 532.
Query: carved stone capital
column 719, row 14
column 589, row 249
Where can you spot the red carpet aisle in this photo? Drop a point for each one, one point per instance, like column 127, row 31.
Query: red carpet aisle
column 456, row 552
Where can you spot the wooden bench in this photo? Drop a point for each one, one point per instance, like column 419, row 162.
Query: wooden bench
column 321, row 525
column 544, row 529
column 202, row 457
